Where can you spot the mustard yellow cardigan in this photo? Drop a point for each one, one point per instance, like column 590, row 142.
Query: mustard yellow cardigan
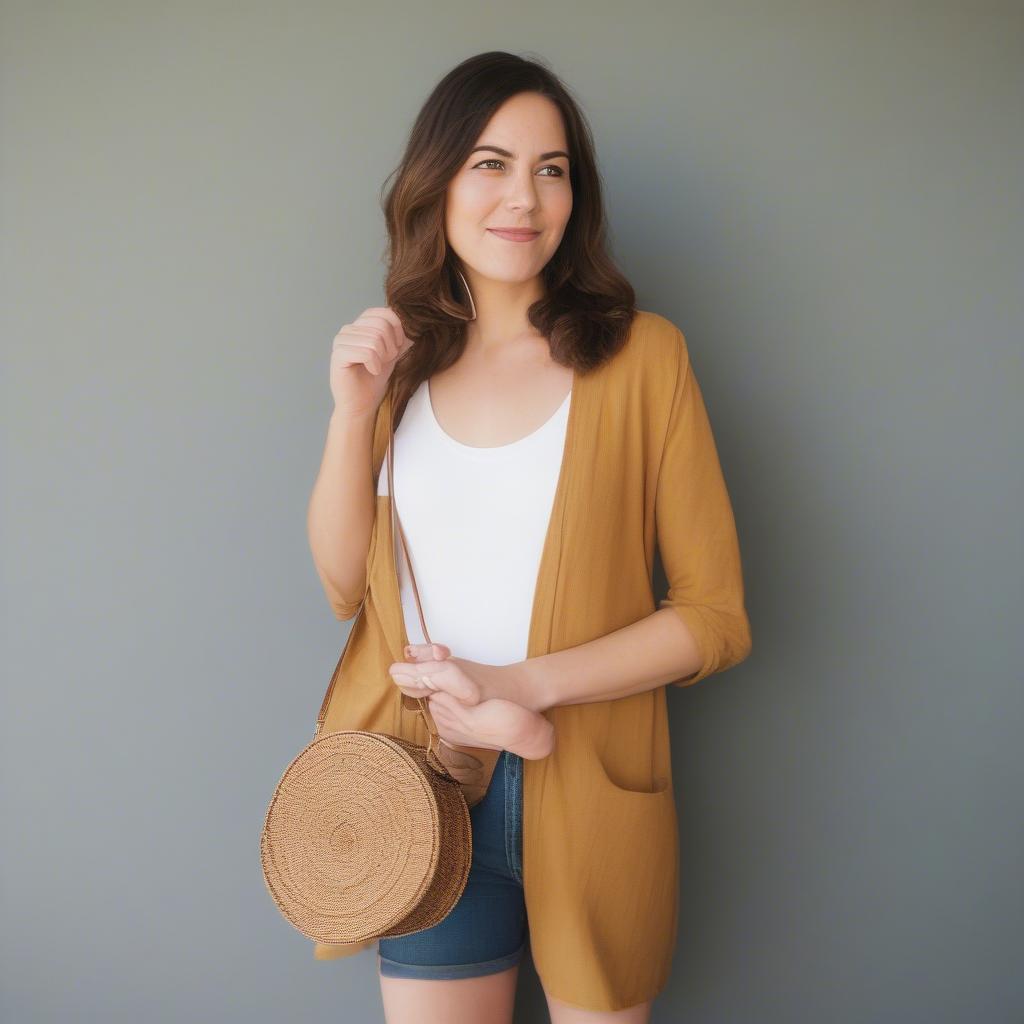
column 600, row 837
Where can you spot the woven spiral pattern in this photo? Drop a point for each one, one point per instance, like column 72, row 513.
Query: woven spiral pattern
column 364, row 839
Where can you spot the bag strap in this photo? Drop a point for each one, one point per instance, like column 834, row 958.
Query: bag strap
column 422, row 706
column 395, row 522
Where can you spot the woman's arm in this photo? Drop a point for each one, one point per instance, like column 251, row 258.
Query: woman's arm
column 651, row 652
column 341, row 511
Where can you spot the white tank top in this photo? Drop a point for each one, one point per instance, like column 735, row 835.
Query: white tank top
column 475, row 521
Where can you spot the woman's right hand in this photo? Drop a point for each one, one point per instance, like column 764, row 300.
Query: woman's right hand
column 363, row 357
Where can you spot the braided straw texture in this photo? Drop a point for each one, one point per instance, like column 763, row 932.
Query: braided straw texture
column 364, row 838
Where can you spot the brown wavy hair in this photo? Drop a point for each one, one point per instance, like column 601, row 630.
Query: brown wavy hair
column 588, row 305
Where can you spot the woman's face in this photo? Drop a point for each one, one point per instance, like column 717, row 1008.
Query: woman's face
column 526, row 186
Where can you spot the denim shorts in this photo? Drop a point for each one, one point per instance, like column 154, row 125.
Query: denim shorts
column 486, row 931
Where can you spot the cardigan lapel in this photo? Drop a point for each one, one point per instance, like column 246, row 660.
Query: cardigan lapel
column 547, row 591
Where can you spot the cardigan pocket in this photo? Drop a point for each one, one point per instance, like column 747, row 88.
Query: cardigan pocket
column 661, row 786
column 631, row 841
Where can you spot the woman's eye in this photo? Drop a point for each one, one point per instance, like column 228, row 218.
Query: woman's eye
column 549, row 167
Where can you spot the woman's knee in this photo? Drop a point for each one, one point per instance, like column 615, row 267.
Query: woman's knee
column 480, row 999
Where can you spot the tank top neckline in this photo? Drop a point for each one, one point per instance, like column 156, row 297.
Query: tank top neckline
column 490, row 451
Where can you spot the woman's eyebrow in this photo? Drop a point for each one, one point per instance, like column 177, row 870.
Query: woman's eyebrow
column 505, row 152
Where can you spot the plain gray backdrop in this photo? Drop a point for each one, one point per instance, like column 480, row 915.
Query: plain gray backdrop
column 825, row 197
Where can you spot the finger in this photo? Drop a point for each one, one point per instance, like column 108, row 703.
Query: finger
column 427, row 652
column 447, row 676
column 448, row 724
column 388, row 313
column 419, row 670
column 357, row 345
column 450, row 707
column 410, row 680
column 455, row 722
column 384, row 327
column 437, row 675
column 411, row 674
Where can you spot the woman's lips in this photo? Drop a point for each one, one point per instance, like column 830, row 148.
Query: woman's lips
column 515, row 236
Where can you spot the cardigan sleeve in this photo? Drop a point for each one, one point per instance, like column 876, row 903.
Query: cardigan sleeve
column 344, row 609
column 696, row 533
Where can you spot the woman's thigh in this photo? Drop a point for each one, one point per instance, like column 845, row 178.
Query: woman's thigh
column 486, row 931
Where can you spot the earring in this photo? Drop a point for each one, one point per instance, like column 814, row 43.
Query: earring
column 472, row 304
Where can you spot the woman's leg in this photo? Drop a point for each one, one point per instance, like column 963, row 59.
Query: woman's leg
column 484, row 999
column 465, row 967
column 564, row 1013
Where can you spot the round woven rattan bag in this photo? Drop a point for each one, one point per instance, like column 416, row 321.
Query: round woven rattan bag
column 364, row 838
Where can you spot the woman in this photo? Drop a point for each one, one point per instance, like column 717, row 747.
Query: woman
column 550, row 434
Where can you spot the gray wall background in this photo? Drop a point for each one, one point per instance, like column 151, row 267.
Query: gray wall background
column 825, row 197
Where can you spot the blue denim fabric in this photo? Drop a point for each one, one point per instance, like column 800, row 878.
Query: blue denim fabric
column 486, row 931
